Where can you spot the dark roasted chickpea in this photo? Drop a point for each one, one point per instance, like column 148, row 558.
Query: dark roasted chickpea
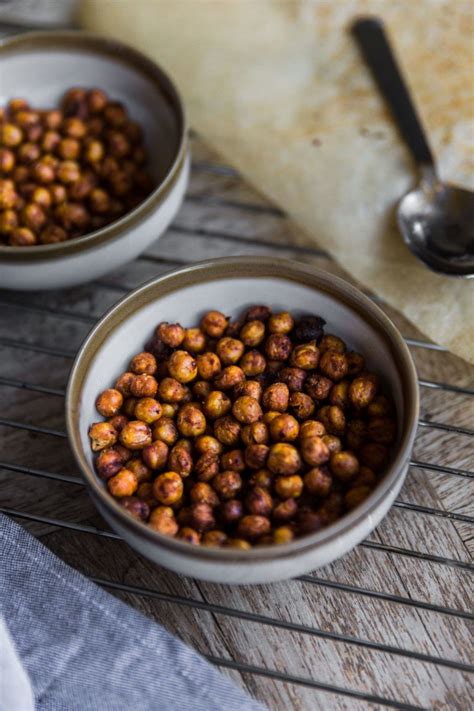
column 312, row 428
column 258, row 501
column 301, row 405
column 209, row 365
column 294, row 378
column 166, row 431
column 124, row 483
column 309, row 522
column 281, row 323
column 168, row 488
column 203, row 493
column 145, row 493
column 182, row 366
column 72, row 216
column 115, row 114
column 313, row 451
column 356, row 496
column 334, row 365
column 344, row 465
column 365, row 477
column 214, row 324
column 278, row 347
column 339, row 394
column 382, row 429
column 284, row 459
column 207, row 466
column 214, row 538
column 362, row 391
column 305, row 356
column 51, row 141
column 256, row 455
column 8, row 221
column 194, row 340
column 255, row 433
column 262, row 478
column 136, row 507
column 227, row 484
column 234, row 459
column 289, row 487
column 206, row 444
column 180, row 460
column 52, row 234
column 227, row 430
column 26, row 117
column 247, row 410
column 284, row 428
column 171, row 390
column 356, row 434
column 109, row 462
column 109, row 402
column 135, row 435
column 22, row 237
column 201, row 516
column 123, row 383
column 128, row 407
column 285, row 510
column 318, row 386
column 190, row 421
column 229, row 377
column 148, row 410
column 82, row 188
column 253, row 526
column 332, row 442
column 355, row 363
column 229, row 350
column 143, row 363
column 276, row 397
column 258, row 312
column 97, row 100
column 253, row 363
column 144, row 386
column 202, row 389
column 163, row 521
column 140, row 469
column 248, row 387
column 333, row 418
column 10, row 135
column 318, row 481
column 34, row 133
column 373, row 455
column 332, row 343
column 252, row 333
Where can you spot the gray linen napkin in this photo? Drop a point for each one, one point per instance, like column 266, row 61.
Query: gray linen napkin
column 84, row 650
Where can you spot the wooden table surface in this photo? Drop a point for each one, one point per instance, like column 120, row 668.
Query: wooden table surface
column 387, row 625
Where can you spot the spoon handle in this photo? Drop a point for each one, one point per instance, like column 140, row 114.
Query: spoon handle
column 373, row 43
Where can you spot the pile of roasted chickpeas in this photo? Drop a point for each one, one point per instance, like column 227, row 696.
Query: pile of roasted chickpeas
column 68, row 171
column 241, row 433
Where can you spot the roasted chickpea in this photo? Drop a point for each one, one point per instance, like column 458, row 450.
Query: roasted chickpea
column 333, row 418
column 201, row 516
column 172, row 334
column 258, row 312
column 182, row 366
column 180, row 460
column 312, row 428
column 248, row 387
column 255, row 433
column 128, row 407
column 227, row 484
column 136, row 507
column 259, row 501
column 10, row 135
column 231, row 511
column 318, row 386
column 123, row 383
column 7, row 160
column 190, row 535
column 229, row 377
column 289, row 487
column 234, row 459
column 281, row 323
column 17, row 104
column 283, row 459
column 365, row 477
column 143, row 363
column 58, row 193
column 207, row 444
column 356, row 496
column 334, row 365
column 168, row 488
column 207, row 466
column 318, row 481
column 102, row 435
column 310, row 522
column 22, row 237
column 301, row 405
column 278, row 347
column 217, row 404
column 203, row 493
column 276, row 397
column 362, row 391
column 373, row 455
column 284, row 428
column 238, row 543
column 163, row 521
column 124, row 483
column 283, row 534
column 145, row 493
column 144, row 386
column 8, row 195
column 294, row 378
column 171, row 390
column 252, row 333
column 229, row 350
column 247, row 410
column 332, row 343
column 270, row 416
column 99, row 201
column 340, row 394
column 191, row 421
column 52, row 234
column 227, row 430
column 208, row 365
column 214, row 324
column 97, row 100
column 109, row 402
column 285, row 510
column 44, row 171
column 109, row 462
column 8, row 221
column 253, row 526
column 68, row 171
column 344, row 465
column 214, row 538
column 53, row 119
column 135, row 435
column 166, row 431
column 355, row 363
column 21, row 174
column 313, row 451
column 256, row 455
column 332, row 442
column 253, row 363
column 194, row 340
column 201, row 390
column 155, row 455
column 140, row 469
column 305, row 356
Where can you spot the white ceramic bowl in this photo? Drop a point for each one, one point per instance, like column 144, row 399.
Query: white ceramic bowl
column 231, row 285
column 41, row 66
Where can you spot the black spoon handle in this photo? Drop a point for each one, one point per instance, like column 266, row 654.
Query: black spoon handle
column 373, row 43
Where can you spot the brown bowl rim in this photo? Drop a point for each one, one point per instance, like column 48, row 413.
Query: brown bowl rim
column 260, row 267
column 121, row 54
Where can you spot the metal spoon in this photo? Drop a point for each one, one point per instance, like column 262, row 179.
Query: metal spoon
column 436, row 219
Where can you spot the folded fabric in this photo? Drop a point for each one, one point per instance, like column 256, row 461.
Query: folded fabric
column 84, row 650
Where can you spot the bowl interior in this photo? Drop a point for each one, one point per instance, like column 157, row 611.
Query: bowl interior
column 65, row 60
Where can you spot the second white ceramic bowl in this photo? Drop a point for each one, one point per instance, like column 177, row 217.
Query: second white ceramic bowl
column 231, row 285
column 65, row 59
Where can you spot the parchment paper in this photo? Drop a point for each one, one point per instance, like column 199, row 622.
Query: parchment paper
column 280, row 90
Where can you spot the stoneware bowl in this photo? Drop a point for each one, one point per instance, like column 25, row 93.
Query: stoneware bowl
column 231, row 285
column 40, row 67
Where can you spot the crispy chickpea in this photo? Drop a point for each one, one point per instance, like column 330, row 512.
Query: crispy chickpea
column 227, row 484
column 238, row 543
column 10, row 135
column 201, row 516
column 344, row 465
column 209, row 365
column 229, row 377
column 144, row 386
column 202, row 389
column 69, row 149
column 52, row 234
column 356, row 496
column 313, row 451
column 258, row 312
column 22, row 237
column 145, row 493
column 318, row 481
column 248, row 387
column 332, row 343
column 214, row 324
column 334, row 365
column 72, row 215
column 51, row 141
column 282, row 534
column 182, row 366
column 190, row 421
column 255, row 433
column 234, row 459
column 148, row 410
column 194, row 340
column 94, row 151
column 168, row 488
column 276, row 397
column 333, row 418
column 289, row 487
column 109, row 462
column 332, row 442
column 188, row 534
column 284, row 459
column 253, row 363
column 143, row 363
column 124, row 483
column 135, row 435
column 180, row 459
column 259, row 501
column 42, row 197
column 136, row 507
column 310, row 522
column 99, row 201
column 163, row 521
column 252, row 333
column 123, row 383
column 318, row 386
column 172, row 334
column 270, row 416
column 256, row 455
column 217, row 404
column 229, row 350
column 140, row 469
column 166, row 431
column 312, row 428
column 69, row 171
column 362, row 391
column 109, row 402
column 231, row 511
column 301, row 405
column 7, row 160
column 214, row 538
column 207, row 466
column 247, row 410
column 128, row 407
column 355, row 363
column 53, row 119
column 253, row 526
column 339, row 394
column 8, row 195
column 74, row 127
column 382, row 429
column 305, row 356
column 373, row 455
column 282, row 323
column 208, row 444
column 58, row 193
column 170, row 409
column 285, row 510
column 8, row 221
column 294, row 378
column 171, row 390
column 44, row 171
column 278, row 347
column 203, row 493
column 284, row 428
column 97, row 100
column 227, row 430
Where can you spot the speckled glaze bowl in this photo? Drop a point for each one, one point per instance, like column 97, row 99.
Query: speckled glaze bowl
column 231, row 285
column 68, row 58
